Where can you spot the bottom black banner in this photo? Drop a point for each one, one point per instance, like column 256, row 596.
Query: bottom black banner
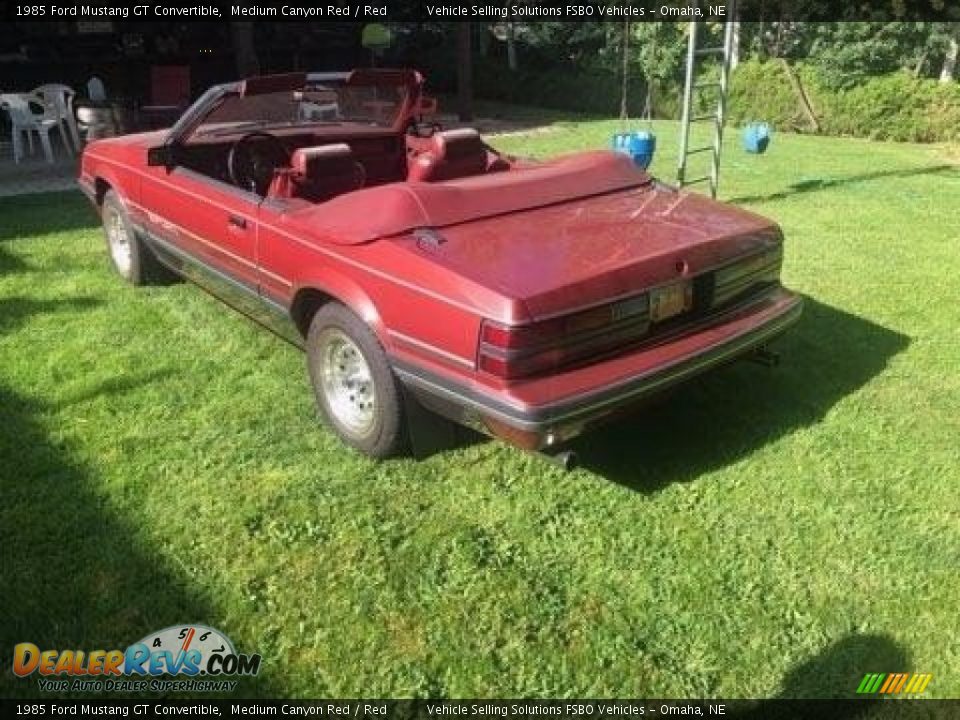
column 485, row 709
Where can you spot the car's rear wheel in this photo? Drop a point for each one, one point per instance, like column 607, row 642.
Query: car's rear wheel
column 132, row 260
column 355, row 388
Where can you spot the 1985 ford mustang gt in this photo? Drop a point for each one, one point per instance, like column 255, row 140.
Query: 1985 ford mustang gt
column 425, row 273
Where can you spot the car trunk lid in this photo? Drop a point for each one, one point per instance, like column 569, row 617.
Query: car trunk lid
column 579, row 253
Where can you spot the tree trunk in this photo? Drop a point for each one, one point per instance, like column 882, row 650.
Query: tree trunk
column 464, row 72
column 511, row 47
column 625, row 77
column 243, row 49
column 801, row 95
column 735, row 45
column 950, row 60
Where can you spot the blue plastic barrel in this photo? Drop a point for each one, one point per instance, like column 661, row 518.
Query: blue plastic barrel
column 639, row 145
column 756, row 137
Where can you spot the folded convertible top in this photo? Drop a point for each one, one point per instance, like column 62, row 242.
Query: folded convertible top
column 387, row 210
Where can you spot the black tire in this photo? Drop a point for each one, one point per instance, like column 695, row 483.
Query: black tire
column 136, row 263
column 336, row 333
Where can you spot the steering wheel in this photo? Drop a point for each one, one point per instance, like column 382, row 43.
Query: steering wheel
column 253, row 159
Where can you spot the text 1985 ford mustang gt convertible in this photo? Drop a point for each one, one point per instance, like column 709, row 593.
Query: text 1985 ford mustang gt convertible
column 422, row 270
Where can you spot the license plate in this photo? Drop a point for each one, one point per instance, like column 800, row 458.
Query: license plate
column 670, row 300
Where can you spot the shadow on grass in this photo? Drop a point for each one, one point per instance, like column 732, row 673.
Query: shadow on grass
column 11, row 264
column 113, row 386
column 75, row 575
column 25, row 216
column 834, row 673
column 725, row 415
column 816, row 184
column 15, row 310
column 837, row 670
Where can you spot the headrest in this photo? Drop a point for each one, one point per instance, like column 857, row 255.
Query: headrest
column 459, row 143
column 322, row 160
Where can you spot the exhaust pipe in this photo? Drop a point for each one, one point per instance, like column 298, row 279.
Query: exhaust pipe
column 566, row 460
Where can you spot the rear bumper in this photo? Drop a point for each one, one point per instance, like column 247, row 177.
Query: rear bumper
column 550, row 410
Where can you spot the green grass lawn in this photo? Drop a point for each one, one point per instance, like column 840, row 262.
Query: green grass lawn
column 760, row 532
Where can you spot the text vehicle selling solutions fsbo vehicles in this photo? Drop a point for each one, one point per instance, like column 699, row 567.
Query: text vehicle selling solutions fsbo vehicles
column 428, row 275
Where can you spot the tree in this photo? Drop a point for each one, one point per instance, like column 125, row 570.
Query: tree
column 659, row 53
column 509, row 32
column 244, row 51
column 464, row 71
column 786, row 40
column 625, row 71
column 847, row 53
column 512, row 46
column 586, row 45
column 735, row 45
column 950, row 56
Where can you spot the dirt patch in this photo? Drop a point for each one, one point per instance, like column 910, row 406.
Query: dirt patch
column 495, row 126
column 951, row 153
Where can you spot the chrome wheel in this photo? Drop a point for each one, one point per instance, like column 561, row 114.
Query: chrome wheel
column 346, row 382
column 118, row 238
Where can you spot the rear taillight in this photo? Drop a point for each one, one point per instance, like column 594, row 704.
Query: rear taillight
column 522, row 350
column 738, row 278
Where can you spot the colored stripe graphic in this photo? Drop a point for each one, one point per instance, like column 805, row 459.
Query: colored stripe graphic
column 898, row 686
column 894, row 683
column 891, row 678
column 866, row 685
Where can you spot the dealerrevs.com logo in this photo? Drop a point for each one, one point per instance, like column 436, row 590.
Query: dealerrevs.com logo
column 200, row 657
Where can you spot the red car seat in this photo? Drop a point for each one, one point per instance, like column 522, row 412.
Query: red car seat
column 318, row 173
column 452, row 154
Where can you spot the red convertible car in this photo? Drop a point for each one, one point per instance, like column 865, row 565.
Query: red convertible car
column 428, row 275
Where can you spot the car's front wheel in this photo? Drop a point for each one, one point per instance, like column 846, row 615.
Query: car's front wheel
column 355, row 388
column 132, row 260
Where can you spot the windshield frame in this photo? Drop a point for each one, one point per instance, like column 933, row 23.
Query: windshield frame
column 185, row 128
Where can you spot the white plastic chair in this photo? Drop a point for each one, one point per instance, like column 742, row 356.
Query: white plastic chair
column 61, row 97
column 24, row 120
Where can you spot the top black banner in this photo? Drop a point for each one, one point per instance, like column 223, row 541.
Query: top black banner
column 488, row 11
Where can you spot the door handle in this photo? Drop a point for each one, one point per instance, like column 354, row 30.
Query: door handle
column 237, row 221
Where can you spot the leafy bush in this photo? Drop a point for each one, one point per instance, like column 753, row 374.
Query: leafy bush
column 896, row 106
column 762, row 91
column 847, row 54
column 892, row 107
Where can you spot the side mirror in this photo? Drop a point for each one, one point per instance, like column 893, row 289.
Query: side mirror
column 161, row 156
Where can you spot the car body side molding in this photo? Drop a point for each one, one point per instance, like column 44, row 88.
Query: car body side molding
column 239, row 295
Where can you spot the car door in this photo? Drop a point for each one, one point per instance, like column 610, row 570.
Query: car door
column 207, row 223
column 277, row 258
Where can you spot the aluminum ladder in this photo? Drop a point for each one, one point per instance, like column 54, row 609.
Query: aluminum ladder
column 717, row 117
